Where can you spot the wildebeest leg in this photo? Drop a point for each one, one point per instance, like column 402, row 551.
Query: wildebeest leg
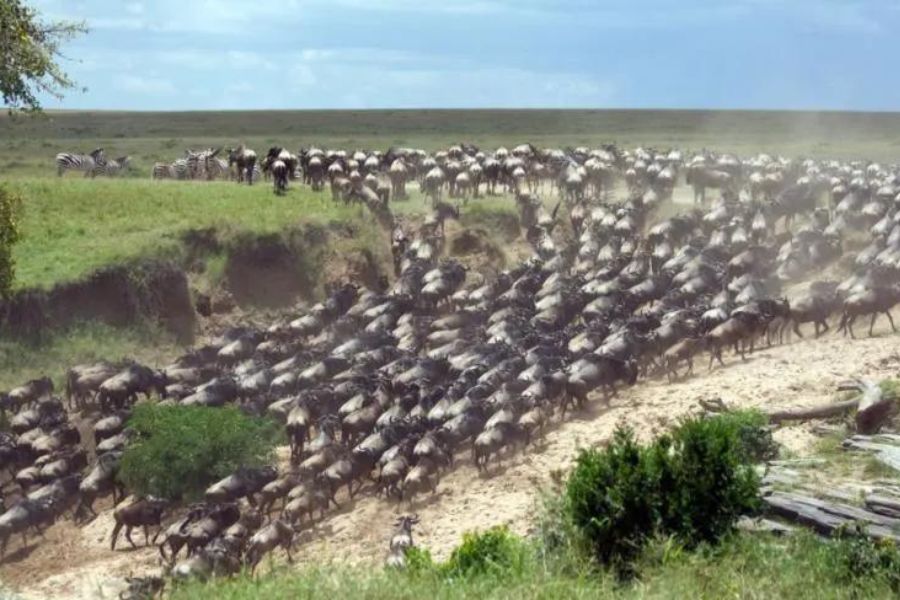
column 146, row 535
column 287, row 549
column 671, row 372
column 850, row 326
column 872, row 323
column 156, row 535
column 824, row 325
column 115, row 534
column 690, row 362
column 891, row 319
column 128, row 536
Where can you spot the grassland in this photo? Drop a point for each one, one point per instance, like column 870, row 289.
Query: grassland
column 29, row 145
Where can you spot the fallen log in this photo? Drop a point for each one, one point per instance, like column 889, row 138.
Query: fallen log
column 883, row 505
column 872, row 407
column 886, row 454
column 827, row 518
column 827, row 411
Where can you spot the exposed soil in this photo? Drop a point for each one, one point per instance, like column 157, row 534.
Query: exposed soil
column 120, row 295
column 77, row 563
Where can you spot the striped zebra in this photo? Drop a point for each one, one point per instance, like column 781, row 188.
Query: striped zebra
column 216, row 168
column 176, row 170
column 199, row 164
column 112, row 168
column 66, row 161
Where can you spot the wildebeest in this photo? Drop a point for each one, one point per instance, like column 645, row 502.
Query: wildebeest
column 143, row 512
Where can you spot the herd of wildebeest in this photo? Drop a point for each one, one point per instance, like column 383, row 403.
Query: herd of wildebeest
column 383, row 390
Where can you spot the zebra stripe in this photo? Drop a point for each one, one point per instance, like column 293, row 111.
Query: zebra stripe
column 216, row 168
column 66, row 161
column 176, row 170
column 200, row 164
column 112, row 168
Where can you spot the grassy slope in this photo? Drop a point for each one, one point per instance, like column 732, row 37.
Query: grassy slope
column 747, row 566
column 73, row 226
column 29, row 145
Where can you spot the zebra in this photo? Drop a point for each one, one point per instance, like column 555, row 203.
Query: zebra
column 199, row 161
column 176, row 170
column 245, row 161
column 79, row 162
column 216, row 168
column 111, row 168
column 162, row 171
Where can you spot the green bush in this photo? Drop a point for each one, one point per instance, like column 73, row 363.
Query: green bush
column 179, row 450
column 611, row 497
column 493, row 551
column 751, row 427
column 705, row 480
column 10, row 207
column 692, row 485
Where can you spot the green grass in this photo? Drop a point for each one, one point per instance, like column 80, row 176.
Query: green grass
column 81, row 344
column 72, row 227
column 744, row 566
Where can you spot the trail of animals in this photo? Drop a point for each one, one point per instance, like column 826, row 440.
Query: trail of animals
column 438, row 402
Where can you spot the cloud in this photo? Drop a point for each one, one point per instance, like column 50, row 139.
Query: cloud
column 151, row 86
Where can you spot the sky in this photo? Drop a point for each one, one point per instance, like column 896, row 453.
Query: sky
column 294, row 54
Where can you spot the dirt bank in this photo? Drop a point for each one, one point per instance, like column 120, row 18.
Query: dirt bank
column 119, row 295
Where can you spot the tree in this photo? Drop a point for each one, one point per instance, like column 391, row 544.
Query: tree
column 10, row 206
column 29, row 51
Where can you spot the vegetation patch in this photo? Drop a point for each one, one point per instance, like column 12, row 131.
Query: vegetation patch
column 178, row 451
column 692, row 484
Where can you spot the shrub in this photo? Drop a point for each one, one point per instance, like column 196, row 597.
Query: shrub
column 179, row 450
column 751, row 427
column 493, row 551
column 692, row 485
column 611, row 497
column 10, row 207
column 418, row 560
column 705, row 481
